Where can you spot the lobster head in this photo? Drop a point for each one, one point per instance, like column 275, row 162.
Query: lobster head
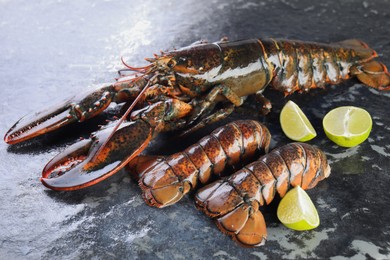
column 196, row 65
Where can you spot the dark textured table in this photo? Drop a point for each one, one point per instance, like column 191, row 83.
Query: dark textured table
column 52, row 49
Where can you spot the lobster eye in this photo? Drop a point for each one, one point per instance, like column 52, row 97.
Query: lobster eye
column 171, row 63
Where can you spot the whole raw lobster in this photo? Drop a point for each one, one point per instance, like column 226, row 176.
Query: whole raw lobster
column 180, row 89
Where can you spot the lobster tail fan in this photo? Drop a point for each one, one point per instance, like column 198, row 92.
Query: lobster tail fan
column 240, row 219
column 245, row 224
column 164, row 196
column 373, row 74
column 160, row 186
column 368, row 71
column 361, row 51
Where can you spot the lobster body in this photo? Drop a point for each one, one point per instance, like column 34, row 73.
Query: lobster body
column 234, row 202
column 239, row 66
column 180, row 90
column 247, row 67
column 166, row 180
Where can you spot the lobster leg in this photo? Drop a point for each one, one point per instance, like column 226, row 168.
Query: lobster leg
column 217, row 116
column 263, row 102
column 207, row 104
column 201, row 111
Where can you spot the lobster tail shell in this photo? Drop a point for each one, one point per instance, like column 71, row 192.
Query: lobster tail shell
column 233, row 215
column 301, row 66
column 167, row 180
column 373, row 74
column 234, row 202
column 245, row 224
column 367, row 70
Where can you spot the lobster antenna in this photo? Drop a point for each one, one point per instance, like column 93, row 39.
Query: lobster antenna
column 136, row 100
column 139, row 69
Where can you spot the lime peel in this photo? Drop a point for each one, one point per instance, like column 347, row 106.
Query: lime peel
column 347, row 126
column 297, row 211
column 295, row 124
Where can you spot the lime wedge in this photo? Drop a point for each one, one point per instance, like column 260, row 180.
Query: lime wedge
column 295, row 124
column 347, row 126
column 297, row 211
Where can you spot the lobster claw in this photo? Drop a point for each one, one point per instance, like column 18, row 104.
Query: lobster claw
column 87, row 162
column 78, row 108
column 38, row 123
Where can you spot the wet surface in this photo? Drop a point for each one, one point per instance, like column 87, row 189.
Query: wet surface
column 52, row 49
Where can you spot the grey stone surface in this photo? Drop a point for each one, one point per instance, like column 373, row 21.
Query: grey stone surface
column 50, row 50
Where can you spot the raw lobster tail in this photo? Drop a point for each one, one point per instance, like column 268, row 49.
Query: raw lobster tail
column 234, row 202
column 300, row 66
column 164, row 181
